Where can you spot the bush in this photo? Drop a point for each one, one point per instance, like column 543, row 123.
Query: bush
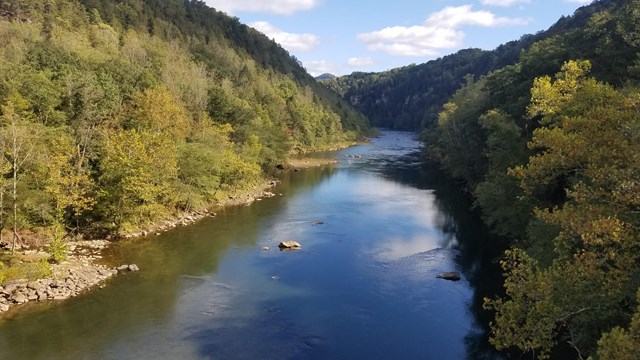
column 12, row 268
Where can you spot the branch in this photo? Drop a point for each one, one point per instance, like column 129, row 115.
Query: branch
column 577, row 312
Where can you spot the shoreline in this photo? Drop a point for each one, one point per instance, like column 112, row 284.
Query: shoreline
column 82, row 271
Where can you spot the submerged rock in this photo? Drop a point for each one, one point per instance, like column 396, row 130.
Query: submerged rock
column 317, row 222
column 289, row 245
column 452, row 276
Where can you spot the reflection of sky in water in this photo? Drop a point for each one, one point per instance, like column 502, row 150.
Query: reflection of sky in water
column 362, row 287
column 365, row 276
column 408, row 207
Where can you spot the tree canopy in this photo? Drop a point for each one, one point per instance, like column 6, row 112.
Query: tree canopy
column 548, row 146
column 117, row 114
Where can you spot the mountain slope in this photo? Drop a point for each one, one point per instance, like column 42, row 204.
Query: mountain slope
column 411, row 97
column 116, row 114
column 548, row 146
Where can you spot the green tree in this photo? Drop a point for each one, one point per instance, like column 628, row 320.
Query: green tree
column 621, row 344
column 67, row 185
column 155, row 110
column 18, row 137
column 459, row 139
column 200, row 164
column 590, row 146
column 137, row 170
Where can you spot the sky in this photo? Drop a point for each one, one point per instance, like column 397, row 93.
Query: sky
column 343, row 36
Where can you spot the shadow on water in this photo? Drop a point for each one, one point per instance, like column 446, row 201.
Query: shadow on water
column 362, row 287
column 172, row 264
column 478, row 249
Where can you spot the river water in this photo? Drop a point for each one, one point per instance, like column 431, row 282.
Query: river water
column 363, row 285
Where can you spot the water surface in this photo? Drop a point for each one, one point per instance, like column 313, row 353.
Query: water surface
column 362, row 287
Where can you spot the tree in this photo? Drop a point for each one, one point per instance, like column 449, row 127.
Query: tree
column 155, row 110
column 137, row 170
column 67, row 185
column 621, row 344
column 459, row 140
column 200, row 163
column 590, row 145
column 19, row 138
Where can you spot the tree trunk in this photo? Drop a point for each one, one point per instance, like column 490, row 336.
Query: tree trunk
column 15, row 196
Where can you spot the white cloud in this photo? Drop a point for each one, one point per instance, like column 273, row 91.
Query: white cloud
column 454, row 17
column 290, row 41
column 504, row 3
column 360, row 62
column 320, row 67
column 440, row 31
column 281, row 7
column 579, row 1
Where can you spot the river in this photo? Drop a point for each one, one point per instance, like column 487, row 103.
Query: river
column 363, row 285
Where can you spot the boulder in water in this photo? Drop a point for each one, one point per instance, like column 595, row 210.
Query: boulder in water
column 289, row 244
column 452, row 276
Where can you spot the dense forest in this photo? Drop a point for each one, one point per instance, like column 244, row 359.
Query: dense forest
column 115, row 114
column 544, row 133
column 550, row 149
column 411, row 97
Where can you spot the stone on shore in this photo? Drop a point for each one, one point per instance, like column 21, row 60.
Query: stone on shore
column 20, row 298
column 80, row 271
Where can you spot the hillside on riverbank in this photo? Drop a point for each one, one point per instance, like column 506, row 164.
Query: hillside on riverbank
column 547, row 141
column 117, row 114
column 411, row 97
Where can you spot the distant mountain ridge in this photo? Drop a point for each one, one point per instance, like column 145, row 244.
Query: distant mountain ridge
column 325, row 76
column 411, row 97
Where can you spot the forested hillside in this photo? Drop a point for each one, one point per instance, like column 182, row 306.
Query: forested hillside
column 550, row 149
column 117, row 113
column 411, row 97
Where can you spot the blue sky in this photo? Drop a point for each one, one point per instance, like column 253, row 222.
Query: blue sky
column 342, row 36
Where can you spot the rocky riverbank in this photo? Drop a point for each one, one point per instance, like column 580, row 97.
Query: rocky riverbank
column 70, row 278
column 82, row 270
column 304, row 163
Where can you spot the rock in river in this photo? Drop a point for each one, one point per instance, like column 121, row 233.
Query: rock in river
column 289, row 245
column 452, row 275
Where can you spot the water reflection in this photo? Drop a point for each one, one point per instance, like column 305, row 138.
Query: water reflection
column 363, row 286
column 463, row 231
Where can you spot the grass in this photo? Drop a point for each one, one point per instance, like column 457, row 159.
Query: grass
column 17, row 266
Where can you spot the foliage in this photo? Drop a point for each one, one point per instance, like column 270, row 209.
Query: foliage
column 57, row 250
column 459, row 139
column 411, row 97
column 115, row 114
column 12, row 268
column 621, row 344
column 138, row 169
column 590, row 145
column 552, row 161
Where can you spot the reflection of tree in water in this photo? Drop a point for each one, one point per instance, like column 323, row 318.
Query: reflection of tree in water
column 478, row 250
column 85, row 327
